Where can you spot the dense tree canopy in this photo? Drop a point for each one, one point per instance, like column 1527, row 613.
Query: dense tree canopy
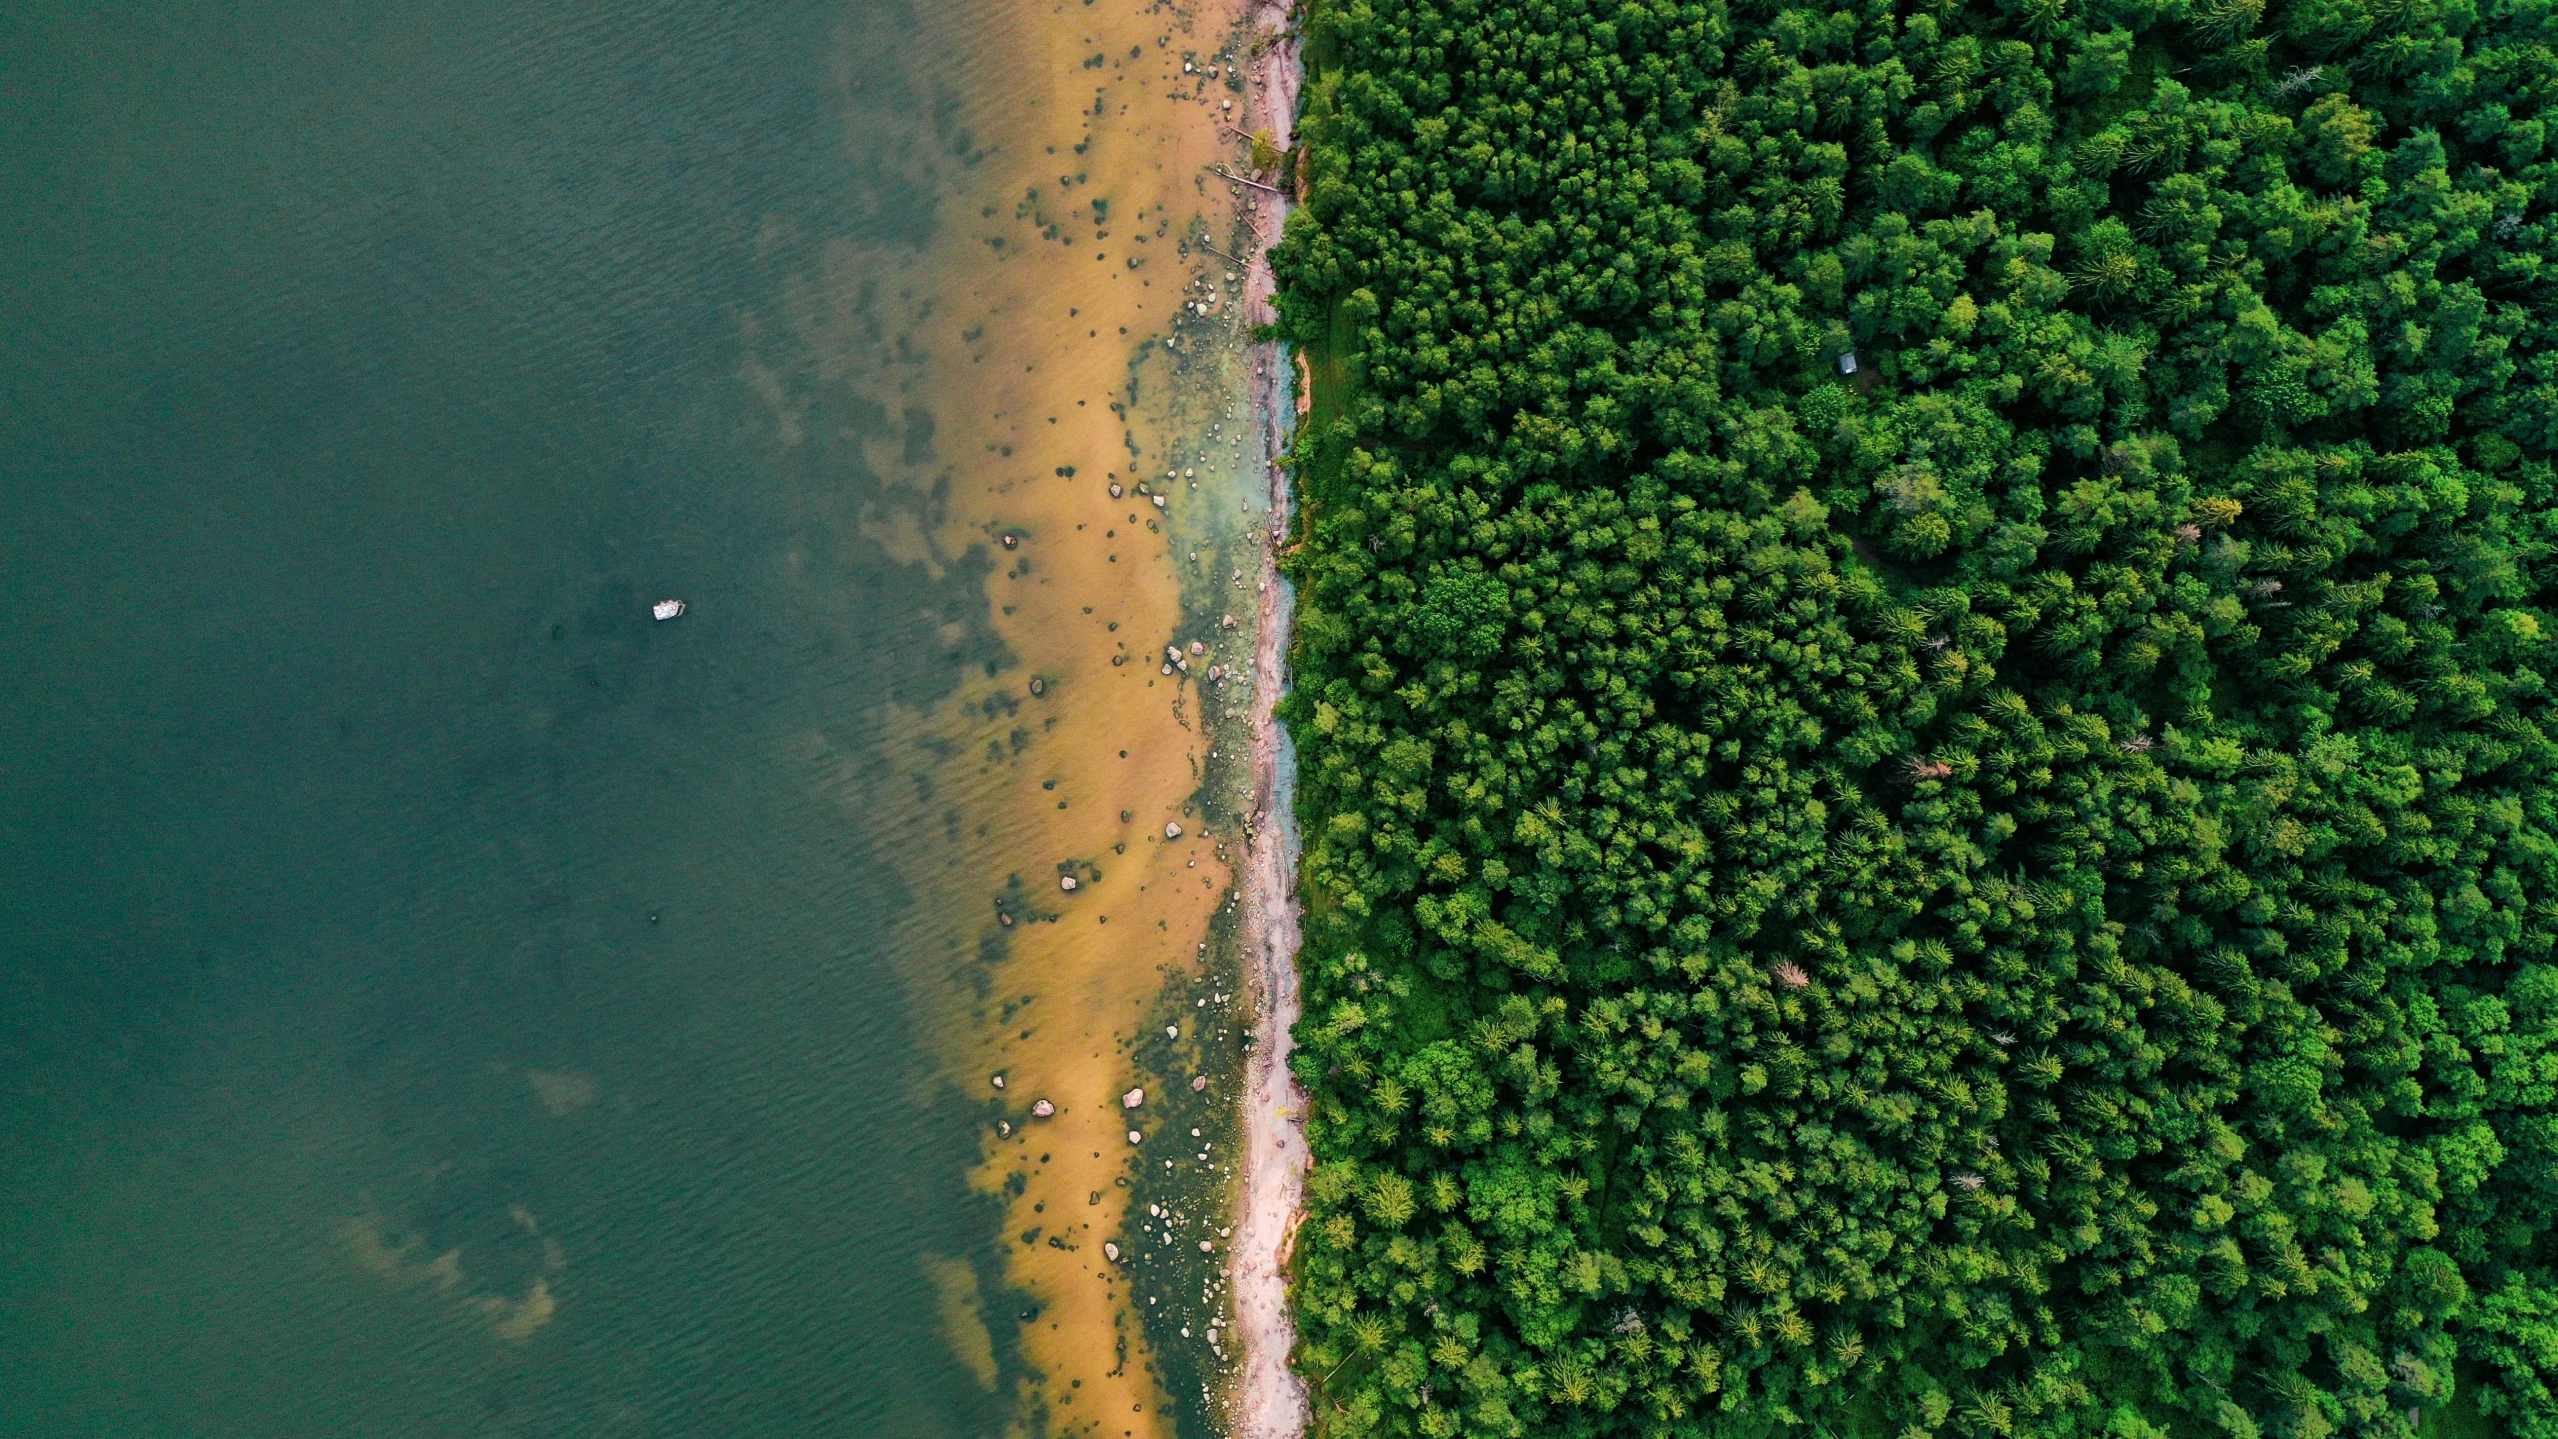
column 2005, row 890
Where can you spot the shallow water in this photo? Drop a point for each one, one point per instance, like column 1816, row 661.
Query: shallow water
column 436, row 999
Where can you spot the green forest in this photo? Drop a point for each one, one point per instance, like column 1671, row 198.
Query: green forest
column 1930, row 795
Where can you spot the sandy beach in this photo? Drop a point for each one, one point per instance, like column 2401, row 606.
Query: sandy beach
column 1270, row 1402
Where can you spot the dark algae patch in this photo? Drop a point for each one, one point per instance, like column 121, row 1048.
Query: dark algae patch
column 1927, row 773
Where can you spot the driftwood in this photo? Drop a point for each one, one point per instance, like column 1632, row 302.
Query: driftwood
column 1240, row 180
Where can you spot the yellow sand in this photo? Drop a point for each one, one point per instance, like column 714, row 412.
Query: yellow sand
column 1021, row 347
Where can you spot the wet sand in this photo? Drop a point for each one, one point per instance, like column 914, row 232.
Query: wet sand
column 1270, row 1401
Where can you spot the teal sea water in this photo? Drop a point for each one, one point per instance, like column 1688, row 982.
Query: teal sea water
column 434, row 998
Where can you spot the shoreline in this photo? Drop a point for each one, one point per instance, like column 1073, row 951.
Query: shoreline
column 1270, row 1400
column 1074, row 812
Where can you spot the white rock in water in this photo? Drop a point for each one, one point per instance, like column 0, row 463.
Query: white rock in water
column 1066, row 881
column 1172, row 1031
column 1198, row 1082
column 1172, row 831
column 1198, row 648
column 999, row 1081
column 1132, row 1099
column 1207, row 1248
column 1135, row 1138
column 1043, row 1109
column 1111, row 1251
column 1159, row 502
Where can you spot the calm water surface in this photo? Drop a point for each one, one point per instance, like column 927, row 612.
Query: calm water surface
column 434, row 999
